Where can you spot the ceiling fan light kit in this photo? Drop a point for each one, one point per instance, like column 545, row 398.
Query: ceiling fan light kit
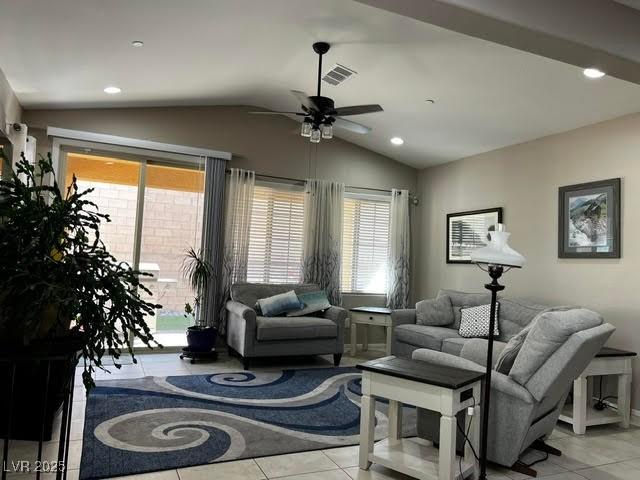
column 306, row 128
column 327, row 131
column 320, row 114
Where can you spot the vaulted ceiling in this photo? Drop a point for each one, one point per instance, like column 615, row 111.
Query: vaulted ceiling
column 63, row 54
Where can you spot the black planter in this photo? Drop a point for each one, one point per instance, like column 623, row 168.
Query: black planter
column 201, row 339
column 40, row 377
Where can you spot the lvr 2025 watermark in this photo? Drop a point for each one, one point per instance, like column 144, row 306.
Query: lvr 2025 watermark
column 27, row 466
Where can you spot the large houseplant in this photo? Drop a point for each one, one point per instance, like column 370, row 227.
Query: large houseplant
column 58, row 283
column 199, row 273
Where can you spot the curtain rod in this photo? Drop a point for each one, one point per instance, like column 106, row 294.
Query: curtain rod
column 298, row 180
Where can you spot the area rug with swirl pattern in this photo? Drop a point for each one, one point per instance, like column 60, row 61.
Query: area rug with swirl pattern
column 158, row 423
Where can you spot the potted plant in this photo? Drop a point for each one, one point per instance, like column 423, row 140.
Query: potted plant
column 201, row 338
column 60, row 289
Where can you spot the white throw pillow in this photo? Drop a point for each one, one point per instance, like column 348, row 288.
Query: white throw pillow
column 474, row 321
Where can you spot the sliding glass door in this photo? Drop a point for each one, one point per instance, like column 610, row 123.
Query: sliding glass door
column 171, row 225
column 156, row 210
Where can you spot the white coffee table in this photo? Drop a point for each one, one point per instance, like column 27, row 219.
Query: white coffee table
column 367, row 316
column 447, row 390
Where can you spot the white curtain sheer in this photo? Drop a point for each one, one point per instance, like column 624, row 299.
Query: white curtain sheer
column 238, row 204
column 322, row 244
column 399, row 250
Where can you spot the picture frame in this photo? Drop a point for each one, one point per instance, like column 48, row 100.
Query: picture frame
column 467, row 231
column 589, row 220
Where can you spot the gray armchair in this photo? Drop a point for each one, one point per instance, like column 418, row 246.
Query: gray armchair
column 251, row 335
column 525, row 411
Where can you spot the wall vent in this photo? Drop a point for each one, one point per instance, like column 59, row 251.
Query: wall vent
column 338, row 74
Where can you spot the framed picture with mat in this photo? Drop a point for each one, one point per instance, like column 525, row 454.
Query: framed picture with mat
column 467, row 231
column 589, row 220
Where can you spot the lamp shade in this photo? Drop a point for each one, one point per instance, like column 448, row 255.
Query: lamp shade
column 498, row 252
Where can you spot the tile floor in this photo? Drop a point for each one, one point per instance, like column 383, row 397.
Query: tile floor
column 604, row 453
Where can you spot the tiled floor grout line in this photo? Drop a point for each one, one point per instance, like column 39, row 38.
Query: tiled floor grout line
column 307, row 473
column 260, row 468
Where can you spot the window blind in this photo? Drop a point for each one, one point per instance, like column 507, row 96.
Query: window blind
column 365, row 244
column 275, row 239
column 468, row 234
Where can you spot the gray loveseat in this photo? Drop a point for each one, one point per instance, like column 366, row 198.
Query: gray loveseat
column 526, row 402
column 252, row 335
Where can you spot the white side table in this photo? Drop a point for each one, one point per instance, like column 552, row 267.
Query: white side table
column 609, row 361
column 447, row 390
column 370, row 316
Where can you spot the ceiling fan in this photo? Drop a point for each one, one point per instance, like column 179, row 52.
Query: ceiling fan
column 320, row 114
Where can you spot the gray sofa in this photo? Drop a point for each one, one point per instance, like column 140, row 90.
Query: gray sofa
column 408, row 335
column 526, row 402
column 251, row 335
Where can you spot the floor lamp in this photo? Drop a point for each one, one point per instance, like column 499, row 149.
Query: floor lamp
column 493, row 259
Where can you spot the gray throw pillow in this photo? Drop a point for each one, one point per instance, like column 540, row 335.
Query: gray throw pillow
column 550, row 331
column 279, row 304
column 311, row 302
column 435, row 312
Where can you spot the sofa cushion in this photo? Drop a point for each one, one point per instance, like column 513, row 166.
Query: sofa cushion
column 549, row 332
column 249, row 293
column 284, row 328
column 454, row 345
column 424, row 336
column 436, row 312
column 516, row 314
column 462, row 299
column 475, row 349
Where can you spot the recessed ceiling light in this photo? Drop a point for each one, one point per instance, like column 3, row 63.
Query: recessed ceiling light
column 137, row 43
column 108, row 163
column 112, row 90
column 593, row 73
column 397, row 141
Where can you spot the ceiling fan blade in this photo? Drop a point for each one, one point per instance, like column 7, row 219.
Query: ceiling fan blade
column 358, row 110
column 351, row 126
column 278, row 113
column 304, row 100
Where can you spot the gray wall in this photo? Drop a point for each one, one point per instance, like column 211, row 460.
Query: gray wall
column 269, row 145
column 10, row 110
column 524, row 180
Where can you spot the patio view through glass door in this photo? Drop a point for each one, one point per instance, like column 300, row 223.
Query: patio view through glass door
column 156, row 213
column 172, row 224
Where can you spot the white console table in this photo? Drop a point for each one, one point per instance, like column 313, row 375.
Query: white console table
column 609, row 361
column 447, row 390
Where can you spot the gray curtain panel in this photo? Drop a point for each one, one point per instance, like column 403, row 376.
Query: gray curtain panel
column 322, row 243
column 237, row 226
column 399, row 250
column 211, row 244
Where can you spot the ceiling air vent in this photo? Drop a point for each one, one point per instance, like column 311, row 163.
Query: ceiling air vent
column 338, row 74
